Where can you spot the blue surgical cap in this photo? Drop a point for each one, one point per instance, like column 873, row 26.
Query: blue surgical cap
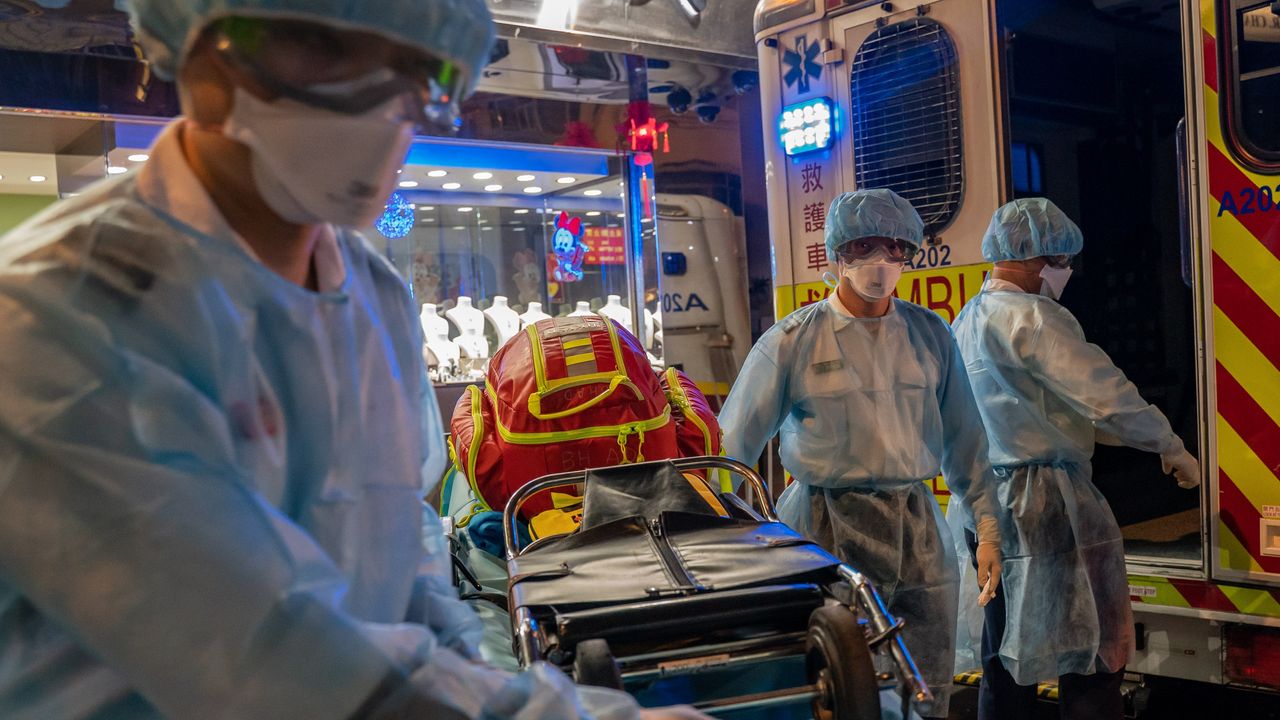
column 871, row 213
column 1030, row 228
column 458, row 31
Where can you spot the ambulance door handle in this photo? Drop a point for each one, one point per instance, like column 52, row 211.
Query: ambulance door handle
column 1184, row 203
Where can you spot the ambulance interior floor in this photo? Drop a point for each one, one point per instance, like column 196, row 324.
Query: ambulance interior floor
column 1169, row 537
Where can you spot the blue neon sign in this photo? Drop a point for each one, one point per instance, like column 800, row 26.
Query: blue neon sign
column 807, row 126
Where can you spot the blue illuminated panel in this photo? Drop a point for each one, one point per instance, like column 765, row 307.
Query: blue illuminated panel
column 807, row 126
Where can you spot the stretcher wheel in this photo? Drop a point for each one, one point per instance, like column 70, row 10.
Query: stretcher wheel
column 593, row 664
column 838, row 660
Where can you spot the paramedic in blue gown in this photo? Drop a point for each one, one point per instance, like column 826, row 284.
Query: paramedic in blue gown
column 215, row 426
column 869, row 396
column 1047, row 395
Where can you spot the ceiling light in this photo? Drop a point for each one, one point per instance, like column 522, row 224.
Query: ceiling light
column 593, row 213
column 492, row 188
column 409, row 184
column 428, row 207
column 525, row 178
column 622, row 215
column 37, row 178
column 566, row 180
column 139, row 157
column 482, row 175
column 522, row 211
column 459, row 227
column 437, row 173
column 465, row 209
column 593, row 193
column 451, row 186
column 532, row 189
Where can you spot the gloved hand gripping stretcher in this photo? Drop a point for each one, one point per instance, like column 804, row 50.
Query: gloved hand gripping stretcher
column 656, row 583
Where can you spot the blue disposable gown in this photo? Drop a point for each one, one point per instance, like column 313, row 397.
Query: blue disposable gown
column 867, row 411
column 1044, row 392
column 211, row 479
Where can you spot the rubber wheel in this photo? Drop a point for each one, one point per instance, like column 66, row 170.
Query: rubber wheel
column 593, row 664
column 838, row 660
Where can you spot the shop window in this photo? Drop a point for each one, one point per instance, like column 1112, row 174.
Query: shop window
column 1027, row 168
column 1250, row 81
column 906, row 118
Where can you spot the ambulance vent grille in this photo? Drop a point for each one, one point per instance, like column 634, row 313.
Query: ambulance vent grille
column 905, row 93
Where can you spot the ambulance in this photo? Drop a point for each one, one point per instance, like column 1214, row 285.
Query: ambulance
column 1156, row 125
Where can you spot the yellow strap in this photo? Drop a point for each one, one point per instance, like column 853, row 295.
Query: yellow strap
column 580, row 342
column 542, row 438
column 477, row 436
column 535, row 400
column 704, row 491
column 579, row 359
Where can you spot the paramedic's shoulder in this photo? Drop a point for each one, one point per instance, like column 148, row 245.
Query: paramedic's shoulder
column 778, row 342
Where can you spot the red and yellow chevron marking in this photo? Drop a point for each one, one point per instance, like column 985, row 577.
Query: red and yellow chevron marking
column 1202, row 595
column 1246, row 329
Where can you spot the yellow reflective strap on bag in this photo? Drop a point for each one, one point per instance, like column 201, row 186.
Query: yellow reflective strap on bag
column 705, row 492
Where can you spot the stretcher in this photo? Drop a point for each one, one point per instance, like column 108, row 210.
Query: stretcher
column 658, row 584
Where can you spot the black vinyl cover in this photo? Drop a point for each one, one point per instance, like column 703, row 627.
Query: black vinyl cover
column 630, row 559
column 644, row 490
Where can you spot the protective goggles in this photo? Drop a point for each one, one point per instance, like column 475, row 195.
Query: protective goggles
column 863, row 248
column 299, row 60
column 1062, row 262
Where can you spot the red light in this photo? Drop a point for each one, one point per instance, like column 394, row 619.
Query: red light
column 1253, row 655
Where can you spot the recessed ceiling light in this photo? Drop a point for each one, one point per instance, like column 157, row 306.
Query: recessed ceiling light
column 428, row 207
column 525, row 178
column 522, row 211
column 593, row 193
column 566, row 180
column 451, row 186
column 593, row 213
column 437, row 173
column 532, row 189
column 37, row 178
column 465, row 209
column 459, row 227
column 482, row 175
column 622, row 215
column 139, row 157
column 409, row 184
column 492, row 188
column 518, row 228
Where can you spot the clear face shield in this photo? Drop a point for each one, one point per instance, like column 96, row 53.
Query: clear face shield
column 346, row 72
column 860, row 250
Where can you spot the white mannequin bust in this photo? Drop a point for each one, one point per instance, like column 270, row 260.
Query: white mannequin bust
column 532, row 315
column 465, row 317
column 432, row 324
column 505, row 321
column 616, row 311
column 584, row 308
column 473, row 344
column 441, row 351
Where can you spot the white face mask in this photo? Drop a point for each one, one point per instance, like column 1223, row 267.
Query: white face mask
column 1053, row 280
column 313, row 166
column 874, row 279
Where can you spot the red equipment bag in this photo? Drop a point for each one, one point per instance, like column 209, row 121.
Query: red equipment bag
column 567, row 394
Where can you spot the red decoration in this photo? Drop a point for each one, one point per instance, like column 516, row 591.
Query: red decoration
column 642, row 131
column 578, row 134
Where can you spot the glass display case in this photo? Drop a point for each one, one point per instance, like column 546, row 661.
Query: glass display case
column 492, row 237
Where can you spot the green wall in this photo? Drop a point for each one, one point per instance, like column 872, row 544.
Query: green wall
column 16, row 208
